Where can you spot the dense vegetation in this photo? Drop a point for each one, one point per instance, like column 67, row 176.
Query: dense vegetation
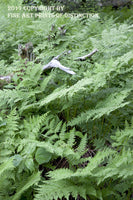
column 67, row 136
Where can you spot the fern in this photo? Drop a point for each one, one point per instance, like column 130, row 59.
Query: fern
column 66, row 92
column 8, row 134
column 110, row 104
column 72, row 183
column 82, row 144
column 64, row 136
column 8, row 165
column 123, row 138
column 34, row 179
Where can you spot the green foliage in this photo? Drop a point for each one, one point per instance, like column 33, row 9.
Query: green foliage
column 42, row 156
column 63, row 135
column 31, row 181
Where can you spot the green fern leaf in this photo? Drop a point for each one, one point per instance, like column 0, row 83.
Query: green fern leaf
column 7, row 165
column 32, row 180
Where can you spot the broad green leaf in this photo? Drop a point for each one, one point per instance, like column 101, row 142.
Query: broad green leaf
column 42, row 156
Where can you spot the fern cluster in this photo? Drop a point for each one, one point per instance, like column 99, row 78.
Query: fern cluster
column 64, row 136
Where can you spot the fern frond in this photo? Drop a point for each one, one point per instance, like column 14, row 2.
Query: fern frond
column 32, row 180
column 45, row 82
column 12, row 122
column 71, row 138
column 118, row 168
column 65, row 188
column 7, row 165
column 82, row 144
column 62, row 92
column 8, row 97
column 33, row 125
column 123, row 138
column 62, row 132
column 94, row 162
column 58, row 127
column 105, row 107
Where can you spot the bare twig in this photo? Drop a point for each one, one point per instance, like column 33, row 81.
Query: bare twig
column 64, row 53
column 82, row 58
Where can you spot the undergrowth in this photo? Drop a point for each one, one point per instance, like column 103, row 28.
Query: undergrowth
column 67, row 136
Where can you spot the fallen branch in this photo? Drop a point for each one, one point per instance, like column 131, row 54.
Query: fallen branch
column 6, row 78
column 64, row 53
column 82, row 58
column 54, row 63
